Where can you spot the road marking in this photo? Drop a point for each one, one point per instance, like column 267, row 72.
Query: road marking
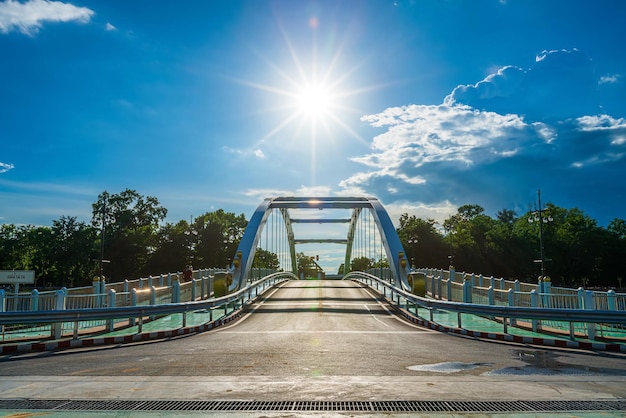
column 325, row 332
column 374, row 316
column 375, row 301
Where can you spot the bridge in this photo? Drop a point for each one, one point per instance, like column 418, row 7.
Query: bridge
column 370, row 233
column 377, row 342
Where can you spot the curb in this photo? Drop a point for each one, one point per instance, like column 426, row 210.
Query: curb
column 549, row 342
column 121, row 339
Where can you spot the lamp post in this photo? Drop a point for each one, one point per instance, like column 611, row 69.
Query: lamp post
column 412, row 243
column 102, row 231
column 192, row 234
column 543, row 218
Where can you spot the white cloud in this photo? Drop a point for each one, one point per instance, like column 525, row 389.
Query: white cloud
column 313, row 191
column 29, row 17
column 420, row 134
column 438, row 211
column 4, row 167
column 600, row 123
column 257, row 153
column 109, row 27
column 491, row 142
column 501, row 84
column 609, row 79
column 541, row 92
column 55, row 188
column 260, row 194
column 619, row 140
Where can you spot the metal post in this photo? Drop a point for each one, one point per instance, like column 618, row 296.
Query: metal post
column 511, row 302
column 590, row 305
column 133, row 302
column 59, row 305
column 111, row 303
column 176, row 292
column 534, row 302
column 467, row 291
column 34, row 304
column 611, row 299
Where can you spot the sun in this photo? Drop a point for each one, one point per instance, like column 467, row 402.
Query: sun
column 314, row 101
column 313, row 93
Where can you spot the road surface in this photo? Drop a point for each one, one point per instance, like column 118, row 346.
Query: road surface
column 316, row 340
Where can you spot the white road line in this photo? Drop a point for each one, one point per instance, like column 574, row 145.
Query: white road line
column 325, row 332
column 374, row 316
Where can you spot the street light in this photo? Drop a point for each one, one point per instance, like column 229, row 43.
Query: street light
column 412, row 243
column 543, row 218
column 192, row 235
column 102, row 231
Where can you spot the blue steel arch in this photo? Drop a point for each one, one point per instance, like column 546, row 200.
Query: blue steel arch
column 242, row 261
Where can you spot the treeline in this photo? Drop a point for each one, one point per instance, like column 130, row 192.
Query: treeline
column 577, row 252
column 128, row 234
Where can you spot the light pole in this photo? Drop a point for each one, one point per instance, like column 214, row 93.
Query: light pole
column 413, row 243
column 102, row 260
column 193, row 237
column 543, row 218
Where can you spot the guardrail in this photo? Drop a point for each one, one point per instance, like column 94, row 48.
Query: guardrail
column 508, row 314
column 109, row 311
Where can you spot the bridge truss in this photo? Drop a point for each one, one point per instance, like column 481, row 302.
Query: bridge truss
column 369, row 233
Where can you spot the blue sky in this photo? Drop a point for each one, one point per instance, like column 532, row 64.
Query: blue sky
column 425, row 104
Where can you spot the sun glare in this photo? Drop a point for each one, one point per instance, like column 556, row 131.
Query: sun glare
column 314, row 100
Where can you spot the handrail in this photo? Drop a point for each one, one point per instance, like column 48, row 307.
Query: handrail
column 516, row 312
column 72, row 315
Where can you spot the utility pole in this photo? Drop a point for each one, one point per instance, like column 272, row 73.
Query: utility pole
column 540, row 216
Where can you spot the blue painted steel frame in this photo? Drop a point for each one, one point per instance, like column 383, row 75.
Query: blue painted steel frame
column 244, row 257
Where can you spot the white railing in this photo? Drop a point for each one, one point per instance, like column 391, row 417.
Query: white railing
column 146, row 303
column 583, row 321
column 476, row 289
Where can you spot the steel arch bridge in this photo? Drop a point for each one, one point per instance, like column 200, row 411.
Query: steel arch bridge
column 368, row 227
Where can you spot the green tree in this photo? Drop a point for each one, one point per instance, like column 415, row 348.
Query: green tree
column 172, row 252
column 74, row 252
column 361, row 264
column 217, row 235
column 468, row 235
column 304, row 262
column 130, row 225
column 265, row 259
column 430, row 250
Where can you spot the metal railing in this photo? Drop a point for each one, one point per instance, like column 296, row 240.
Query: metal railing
column 77, row 311
column 536, row 308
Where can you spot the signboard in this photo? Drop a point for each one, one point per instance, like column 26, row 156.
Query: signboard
column 17, row 276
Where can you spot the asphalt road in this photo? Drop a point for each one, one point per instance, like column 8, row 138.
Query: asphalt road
column 310, row 340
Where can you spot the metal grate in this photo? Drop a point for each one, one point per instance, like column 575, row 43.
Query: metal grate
column 300, row 406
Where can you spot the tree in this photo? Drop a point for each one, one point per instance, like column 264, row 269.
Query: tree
column 304, row 263
column 130, row 222
column 361, row 264
column 171, row 249
column 469, row 241
column 265, row 259
column 217, row 236
column 430, row 248
column 74, row 251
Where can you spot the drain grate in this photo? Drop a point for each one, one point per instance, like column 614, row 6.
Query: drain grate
column 300, row 406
